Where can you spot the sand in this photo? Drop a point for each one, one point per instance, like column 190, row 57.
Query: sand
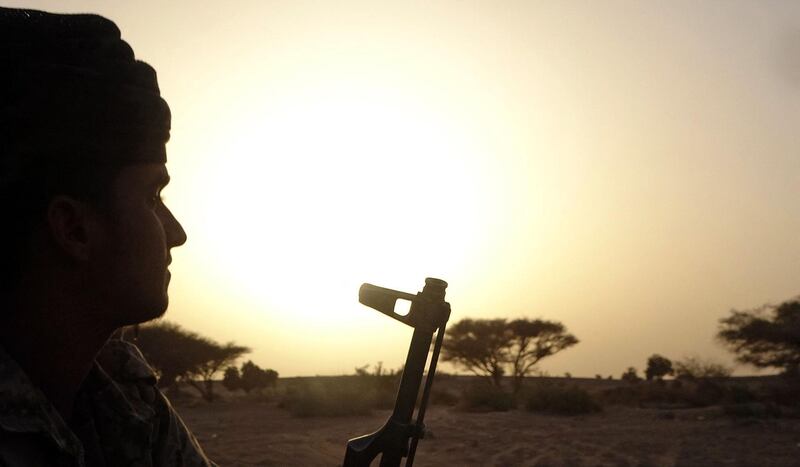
column 249, row 433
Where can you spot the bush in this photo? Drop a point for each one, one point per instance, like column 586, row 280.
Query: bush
column 344, row 395
column 694, row 367
column 676, row 394
column 785, row 392
column 569, row 400
column 443, row 397
column 327, row 400
column 254, row 377
column 739, row 394
column 232, row 379
column 752, row 410
column 485, row 397
column 381, row 384
column 630, row 375
column 706, row 393
column 773, row 399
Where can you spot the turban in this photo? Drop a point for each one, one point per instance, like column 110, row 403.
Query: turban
column 72, row 93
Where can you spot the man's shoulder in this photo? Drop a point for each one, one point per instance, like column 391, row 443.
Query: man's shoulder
column 172, row 443
column 124, row 363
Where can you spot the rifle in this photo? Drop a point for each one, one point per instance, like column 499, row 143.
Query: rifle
column 428, row 313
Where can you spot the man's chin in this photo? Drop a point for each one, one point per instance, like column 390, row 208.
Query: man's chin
column 145, row 313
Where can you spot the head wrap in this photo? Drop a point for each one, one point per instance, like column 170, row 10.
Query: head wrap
column 71, row 92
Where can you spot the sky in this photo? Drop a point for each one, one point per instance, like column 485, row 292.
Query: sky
column 628, row 168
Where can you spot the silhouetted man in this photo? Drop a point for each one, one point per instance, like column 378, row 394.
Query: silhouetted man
column 86, row 244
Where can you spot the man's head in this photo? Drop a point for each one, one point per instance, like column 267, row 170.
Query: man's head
column 82, row 152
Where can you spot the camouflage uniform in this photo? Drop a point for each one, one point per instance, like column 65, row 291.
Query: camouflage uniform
column 120, row 418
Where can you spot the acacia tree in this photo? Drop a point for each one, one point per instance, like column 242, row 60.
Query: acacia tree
column 481, row 346
column 213, row 358
column 180, row 355
column 533, row 340
column 658, row 367
column 765, row 337
column 170, row 350
column 486, row 347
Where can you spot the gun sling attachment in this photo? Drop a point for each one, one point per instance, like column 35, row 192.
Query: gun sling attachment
column 429, row 313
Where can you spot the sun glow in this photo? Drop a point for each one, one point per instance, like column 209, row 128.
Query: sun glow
column 335, row 185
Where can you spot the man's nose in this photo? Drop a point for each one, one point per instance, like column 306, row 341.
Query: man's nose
column 176, row 236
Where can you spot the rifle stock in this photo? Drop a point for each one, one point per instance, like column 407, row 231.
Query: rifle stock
column 429, row 313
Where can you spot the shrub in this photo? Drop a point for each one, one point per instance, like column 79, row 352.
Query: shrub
column 381, row 384
column 443, row 397
column 752, row 410
column 485, row 397
column 706, row 393
column 254, row 377
column 327, row 400
column 232, row 379
column 569, row 400
column 344, row 395
column 690, row 393
column 739, row 394
column 694, row 367
column 784, row 392
column 700, row 393
column 630, row 375
column 776, row 398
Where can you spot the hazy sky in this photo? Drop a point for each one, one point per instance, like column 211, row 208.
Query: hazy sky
column 629, row 168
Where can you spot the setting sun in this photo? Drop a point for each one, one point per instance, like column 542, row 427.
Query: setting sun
column 343, row 183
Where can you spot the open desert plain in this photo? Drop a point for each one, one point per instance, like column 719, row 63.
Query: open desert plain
column 259, row 430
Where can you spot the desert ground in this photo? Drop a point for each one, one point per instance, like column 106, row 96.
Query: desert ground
column 252, row 431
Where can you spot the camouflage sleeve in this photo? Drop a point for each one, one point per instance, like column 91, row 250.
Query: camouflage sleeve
column 173, row 443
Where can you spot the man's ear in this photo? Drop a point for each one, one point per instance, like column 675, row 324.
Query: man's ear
column 69, row 223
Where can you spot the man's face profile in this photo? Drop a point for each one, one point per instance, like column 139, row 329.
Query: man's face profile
column 134, row 239
column 86, row 142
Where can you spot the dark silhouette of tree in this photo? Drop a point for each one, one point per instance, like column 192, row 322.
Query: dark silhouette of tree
column 213, row 358
column 658, row 367
column 481, row 346
column 630, row 375
column 533, row 340
column 254, row 377
column 765, row 337
column 693, row 367
column 486, row 347
column 231, row 379
column 271, row 377
column 180, row 355
column 250, row 377
column 170, row 350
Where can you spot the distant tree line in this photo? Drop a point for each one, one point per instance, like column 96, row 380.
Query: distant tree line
column 659, row 366
column 766, row 337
